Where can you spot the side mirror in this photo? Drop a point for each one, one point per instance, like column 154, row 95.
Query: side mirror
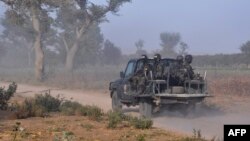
column 122, row 74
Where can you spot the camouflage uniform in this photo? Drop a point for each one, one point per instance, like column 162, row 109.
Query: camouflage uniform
column 139, row 80
column 177, row 72
column 158, row 69
column 188, row 67
column 189, row 71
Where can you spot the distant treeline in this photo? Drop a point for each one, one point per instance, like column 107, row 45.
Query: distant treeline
column 238, row 60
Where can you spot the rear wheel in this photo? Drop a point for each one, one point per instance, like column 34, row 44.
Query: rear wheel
column 116, row 102
column 145, row 108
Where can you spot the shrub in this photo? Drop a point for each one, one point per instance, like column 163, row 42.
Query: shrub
column 141, row 123
column 71, row 108
column 50, row 103
column 75, row 108
column 38, row 106
column 5, row 95
column 114, row 118
column 140, row 137
column 29, row 109
column 93, row 112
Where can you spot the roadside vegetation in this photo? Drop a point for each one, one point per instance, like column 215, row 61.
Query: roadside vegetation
column 57, row 119
column 5, row 95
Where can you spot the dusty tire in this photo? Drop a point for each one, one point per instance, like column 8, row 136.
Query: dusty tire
column 145, row 108
column 116, row 103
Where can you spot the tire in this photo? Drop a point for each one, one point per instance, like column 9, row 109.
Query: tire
column 145, row 108
column 116, row 102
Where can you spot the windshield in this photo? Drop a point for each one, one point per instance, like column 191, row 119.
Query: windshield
column 130, row 68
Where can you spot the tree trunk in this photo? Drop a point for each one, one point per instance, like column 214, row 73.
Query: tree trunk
column 39, row 60
column 71, row 53
column 29, row 53
column 39, row 54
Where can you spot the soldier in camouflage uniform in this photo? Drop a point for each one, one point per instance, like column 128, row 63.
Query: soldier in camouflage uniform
column 158, row 69
column 143, row 73
column 188, row 67
column 177, row 72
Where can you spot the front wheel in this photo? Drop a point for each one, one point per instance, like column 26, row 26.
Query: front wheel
column 116, row 102
column 145, row 108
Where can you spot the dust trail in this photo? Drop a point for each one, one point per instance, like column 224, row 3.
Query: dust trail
column 209, row 121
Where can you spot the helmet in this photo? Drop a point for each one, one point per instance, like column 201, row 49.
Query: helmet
column 144, row 56
column 188, row 59
column 179, row 58
column 157, row 57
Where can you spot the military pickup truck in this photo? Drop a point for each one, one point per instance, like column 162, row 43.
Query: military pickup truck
column 158, row 92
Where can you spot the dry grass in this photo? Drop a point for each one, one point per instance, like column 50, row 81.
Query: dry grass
column 89, row 77
column 230, row 85
column 81, row 129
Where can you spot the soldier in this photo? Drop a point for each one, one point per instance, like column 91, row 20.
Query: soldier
column 158, row 68
column 188, row 67
column 142, row 74
column 177, row 71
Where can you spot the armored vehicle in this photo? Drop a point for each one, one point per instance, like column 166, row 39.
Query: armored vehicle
column 175, row 86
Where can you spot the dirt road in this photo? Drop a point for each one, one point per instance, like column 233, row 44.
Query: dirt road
column 210, row 121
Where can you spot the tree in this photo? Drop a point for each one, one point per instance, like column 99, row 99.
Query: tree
column 5, row 95
column 168, row 43
column 91, row 47
column 35, row 13
column 17, row 37
column 85, row 14
column 245, row 48
column 183, row 48
column 2, row 50
column 111, row 53
column 139, row 47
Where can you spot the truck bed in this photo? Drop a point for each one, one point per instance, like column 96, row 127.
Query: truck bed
column 167, row 95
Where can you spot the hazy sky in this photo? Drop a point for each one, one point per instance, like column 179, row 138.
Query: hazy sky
column 207, row 26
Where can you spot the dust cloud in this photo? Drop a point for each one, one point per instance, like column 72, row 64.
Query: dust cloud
column 209, row 120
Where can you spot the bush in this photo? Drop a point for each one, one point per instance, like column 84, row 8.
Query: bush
column 140, row 138
column 75, row 108
column 5, row 95
column 141, row 123
column 114, row 118
column 93, row 112
column 43, row 104
column 38, row 106
column 29, row 109
column 50, row 103
column 71, row 108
